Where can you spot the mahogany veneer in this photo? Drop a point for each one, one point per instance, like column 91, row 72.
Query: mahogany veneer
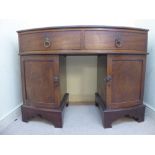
column 121, row 55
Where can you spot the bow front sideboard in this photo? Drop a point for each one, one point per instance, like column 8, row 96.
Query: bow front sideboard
column 121, row 55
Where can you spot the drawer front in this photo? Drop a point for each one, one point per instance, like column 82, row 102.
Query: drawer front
column 50, row 40
column 113, row 40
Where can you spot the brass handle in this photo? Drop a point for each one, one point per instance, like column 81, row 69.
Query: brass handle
column 56, row 80
column 118, row 43
column 108, row 78
column 47, row 43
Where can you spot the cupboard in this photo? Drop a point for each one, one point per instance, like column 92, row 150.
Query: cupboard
column 121, row 54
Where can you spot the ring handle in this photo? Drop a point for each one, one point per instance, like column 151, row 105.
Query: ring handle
column 47, row 43
column 118, row 43
column 56, row 80
column 108, row 78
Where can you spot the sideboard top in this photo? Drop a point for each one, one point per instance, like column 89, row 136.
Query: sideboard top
column 84, row 27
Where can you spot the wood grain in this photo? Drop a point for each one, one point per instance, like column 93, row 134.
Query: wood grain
column 121, row 55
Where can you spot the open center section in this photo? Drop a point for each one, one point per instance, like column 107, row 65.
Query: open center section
column 81, row 79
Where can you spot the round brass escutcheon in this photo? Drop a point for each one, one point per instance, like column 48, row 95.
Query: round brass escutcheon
column 47, row 43
column 118, row 43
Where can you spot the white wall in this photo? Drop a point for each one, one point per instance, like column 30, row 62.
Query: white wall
column 10, row 88
column 149, row 91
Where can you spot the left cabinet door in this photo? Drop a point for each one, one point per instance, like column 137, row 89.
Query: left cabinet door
column 40, row 81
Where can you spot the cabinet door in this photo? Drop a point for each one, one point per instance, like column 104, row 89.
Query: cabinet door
column 40, row 81
column 125, row 80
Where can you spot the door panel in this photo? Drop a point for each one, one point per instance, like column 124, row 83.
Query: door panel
column 126, row 87
column 40, row 88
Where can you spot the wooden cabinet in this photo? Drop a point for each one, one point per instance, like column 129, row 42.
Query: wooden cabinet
column 125, row 84
column 121, row 56
column 41, row 81
column 123, row 80
column 121, row 85
column 44, row 85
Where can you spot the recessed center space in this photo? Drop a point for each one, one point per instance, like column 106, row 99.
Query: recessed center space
column 81, row 79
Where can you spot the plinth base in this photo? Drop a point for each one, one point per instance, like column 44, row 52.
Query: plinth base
column 53, row 115
column 110, row 115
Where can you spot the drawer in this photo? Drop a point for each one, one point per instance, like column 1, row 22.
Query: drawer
column 114, row 40
column 43, row 41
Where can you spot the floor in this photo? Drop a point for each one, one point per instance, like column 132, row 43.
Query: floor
column 81, row 119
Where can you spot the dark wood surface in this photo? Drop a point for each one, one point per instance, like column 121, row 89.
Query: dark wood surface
column 58, row 40
column 126, row 86
column 121, row 55
column 101, row 75
column 115, row 40
column 83, row 39
column 111, row 115
column 39, row 87
column 55, row 116
column 125, row 89
column 83, row 52
column 84, row 27
column 62, row 75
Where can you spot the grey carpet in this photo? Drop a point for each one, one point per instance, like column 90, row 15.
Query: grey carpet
column 81, row 119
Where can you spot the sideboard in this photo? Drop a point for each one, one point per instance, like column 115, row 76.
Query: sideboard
column 121, row 56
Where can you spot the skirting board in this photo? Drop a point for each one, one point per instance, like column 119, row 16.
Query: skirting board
column 149, row 111
column 10, row 117
column 82, row 103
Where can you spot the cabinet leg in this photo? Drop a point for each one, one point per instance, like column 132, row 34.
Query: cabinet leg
column 137, row 113
column 26, row 114
column 54, row 116
column 110, row 115
column 24, row 118
column 139, row 118
column 57, row 119
column 96, row 104
column 67, row 104
column 106, row 123
column 58, row 124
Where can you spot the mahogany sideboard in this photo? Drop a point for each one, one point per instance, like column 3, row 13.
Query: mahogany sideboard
column 121, row 53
